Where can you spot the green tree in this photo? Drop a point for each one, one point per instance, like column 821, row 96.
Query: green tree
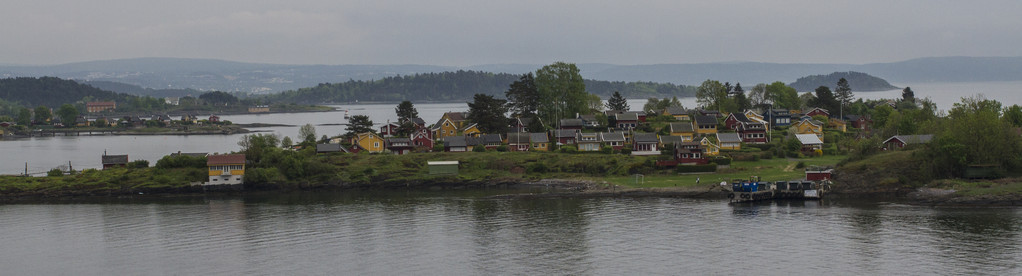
column 42, row 114
column 617, row 102
column 595, row 103
column 24, row 116
column 488, row 113
column 308, row 134
column 67, row 113
column 286, row 142
column 1013, row 115
column 359, row 124
column 405, row 113
column 711, row 94
column 654, row 104
column 782, row 96
column 825, row 99
column 907, row 95
column 741, row 101
column 843, row 93
column 255, row 146
column 562, row 92
column 218, row 98
column 971, row 133
column 523, row 97
column 757, row 96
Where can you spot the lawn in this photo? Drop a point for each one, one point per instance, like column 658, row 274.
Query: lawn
column 767, row 169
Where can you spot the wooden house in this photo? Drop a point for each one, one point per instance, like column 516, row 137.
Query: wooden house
column 645, row 144
column 490, row 141
column 859, row 122
column 330, row 148
column 683, row 130
column 588, row 141
column 626, row 120
column 901, row 141
column 539, row 141
column 399, row 146
column 729, row 141
column 226, row 169
column 778, row 117
column 457, row 144
column 615, row 140
column 368, row 141
column 816, row 111
column 753, row 132
column 518, row 141
column 690, row 153
column 115, row 161
column 811, row 144
column 589, row 121
column 709, row 147
column 571, row 124
column 678, row 113
column 95, row 107
column 389, row 129
column 566, row 136
column 422, row 138
column 705, row 125
column 734, row 119
column 470, row 130
column 444, row 128
column 809, row 126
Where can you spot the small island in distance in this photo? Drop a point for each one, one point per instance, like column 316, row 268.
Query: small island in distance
column 857, row 80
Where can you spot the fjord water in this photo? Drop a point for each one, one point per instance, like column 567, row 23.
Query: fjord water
column 465, row 232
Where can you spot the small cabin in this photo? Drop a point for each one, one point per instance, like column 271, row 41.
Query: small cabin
column 442, row 167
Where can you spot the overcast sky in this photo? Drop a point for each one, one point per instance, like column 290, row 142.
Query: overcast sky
column 475, row 32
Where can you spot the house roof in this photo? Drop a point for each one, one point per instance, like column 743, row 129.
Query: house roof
column 468, row 127
column 517, row 138
column 596, row 135
column 627, row 116
column 490, row 138
column 456, row 116
column 330, row 148
column 612, row 136
column 817, row 108
column 538, row 138
column 729, row 137
column 740, row 117
column 225, row 159
column 571, row 122
column 779, row 112
column 456, row 141
column 808, row 139
column 645, row 138
column 670, row 139
column 912, row 139
column 681, row 127
column 191, row 154
column 588, row 117
column 398, row 140
column 115, row 159
column 751, row 126
column 705, row 120
column 563, row 133
column 418, row 121
column 674, row 110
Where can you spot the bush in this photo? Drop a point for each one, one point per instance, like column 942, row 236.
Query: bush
column 712, row 167
column 55, row 172
column 479, row 148
column 626, row 151
column 438, row 147
column 181, row 161
column 138, row 164
column 721, row 160
column 800, row 165
column 607, row 150
column 502, row 148
column 537, row 167
column 568, row 150
column 767, row 155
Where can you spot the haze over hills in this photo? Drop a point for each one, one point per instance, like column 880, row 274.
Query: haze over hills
column 207, row 74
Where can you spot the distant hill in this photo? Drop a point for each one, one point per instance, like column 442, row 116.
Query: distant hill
column 207, row 75
column 856, row 80
column 455, row 86
column 51, row 92
column 141, row 91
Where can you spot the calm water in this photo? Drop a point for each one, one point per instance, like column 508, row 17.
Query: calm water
column 464, row 233
column 45, row 153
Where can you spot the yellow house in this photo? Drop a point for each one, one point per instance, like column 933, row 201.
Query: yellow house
column 705, row 124
column 369, row 141
column 444, row 128
column 471, row 130
column 729, row 141
column 226, row 169
column 711, row 148
column 683, row 130
column 678, row 113
column 755, row 117
column 838, row 124
column 809, row 126
column 539, row 141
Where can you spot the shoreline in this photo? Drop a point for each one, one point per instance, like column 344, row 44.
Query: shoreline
column 557, row 189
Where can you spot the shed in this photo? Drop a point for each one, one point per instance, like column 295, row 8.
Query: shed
column 442, row 167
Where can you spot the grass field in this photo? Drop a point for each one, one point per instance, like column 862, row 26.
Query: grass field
column 767, row 169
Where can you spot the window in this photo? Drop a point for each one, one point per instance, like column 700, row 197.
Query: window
column 376, row 144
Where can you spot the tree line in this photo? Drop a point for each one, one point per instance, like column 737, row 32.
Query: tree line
column 454, row 86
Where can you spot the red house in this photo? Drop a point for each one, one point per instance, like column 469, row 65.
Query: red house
column 817, row 175
column 859, row 122
column 389, row 129
column 690, row 153
column 734, row 119
column 111, row 161
column 422, row 138
column 818, row 111
column 752, row 133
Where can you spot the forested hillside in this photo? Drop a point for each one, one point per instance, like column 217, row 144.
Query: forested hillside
column 51, row 92
column 141, row 91
column 856, row 80
column 454, row 86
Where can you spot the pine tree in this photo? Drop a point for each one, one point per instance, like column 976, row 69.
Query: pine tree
column 617, row 102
